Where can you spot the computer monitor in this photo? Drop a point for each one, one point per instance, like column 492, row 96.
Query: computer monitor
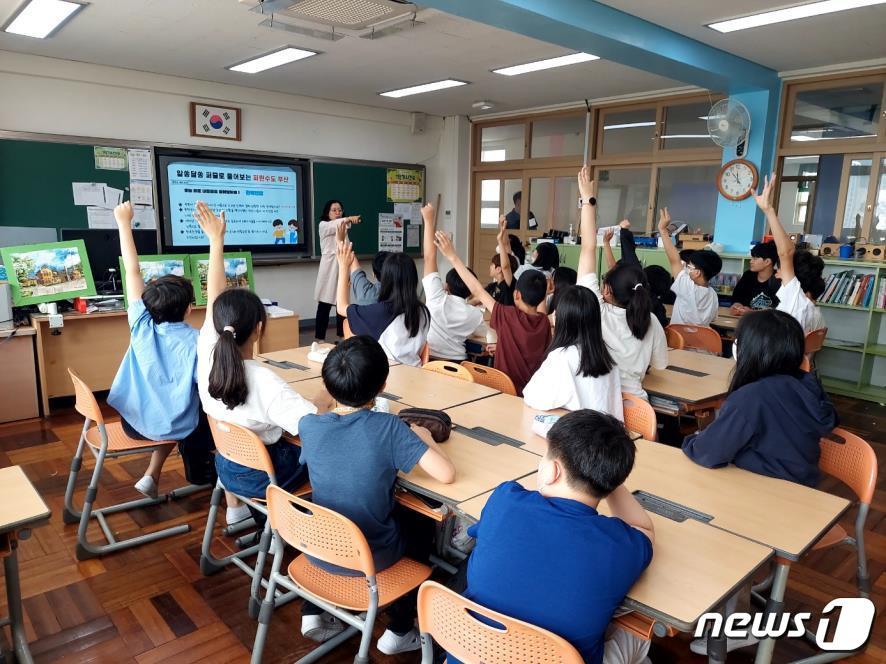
column 103, row 250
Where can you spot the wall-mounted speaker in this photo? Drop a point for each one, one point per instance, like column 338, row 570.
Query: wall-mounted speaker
column 419, row 123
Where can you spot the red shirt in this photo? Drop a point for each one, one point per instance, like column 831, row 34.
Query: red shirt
column 522, row 342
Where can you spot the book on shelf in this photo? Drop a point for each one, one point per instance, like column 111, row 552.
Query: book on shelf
column 881, row 295
column 868, row 291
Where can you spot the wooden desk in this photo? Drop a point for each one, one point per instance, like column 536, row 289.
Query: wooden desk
column 725, row 319
column 507, row 415
column 311, row 387
column 18, row 380
column 694, row 568
column 426, row 389
column 93, row 345
column 296, row 356
column 479, row 467
column 785, row 516
column 21, row 508
column 679, row 382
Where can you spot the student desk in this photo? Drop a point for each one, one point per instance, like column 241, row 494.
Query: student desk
column 303, row 369
column 21, row 508
column 18, row 381
column 691, row 383
column 93, row 345
column 506, row 416
column 694, row 567
column 725, row 319
column 427, row 389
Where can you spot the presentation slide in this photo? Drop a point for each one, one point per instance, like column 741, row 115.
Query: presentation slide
column 260, row 202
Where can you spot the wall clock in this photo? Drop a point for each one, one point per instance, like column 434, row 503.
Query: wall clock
column 737, row 179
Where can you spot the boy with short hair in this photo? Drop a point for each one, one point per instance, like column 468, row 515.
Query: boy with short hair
column 548, row 557
column 155, row 389
column 758, row 286
column 364, row 291
column 353, row 455
column 523, row 330
column 278, row 232
column 696, row 302
column 453, row 320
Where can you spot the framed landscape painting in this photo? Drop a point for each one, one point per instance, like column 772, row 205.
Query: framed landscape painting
column 154, row 267
column 238, row 273
column 48, row 272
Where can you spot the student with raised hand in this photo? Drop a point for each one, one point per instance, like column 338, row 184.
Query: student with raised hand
column 353, row 455
column 634, row 337
column 696, row 302
column 758, row 286
column 233, row 386
column 578, row 371
column 799, row 271
column 453, row 320
column 523, row 330
column 502, row 268
column 154, row 390
column 657, row 288
column 545, row 258
column 549, row 557
column 774, row 414
column 399, row 321
column 364, row 291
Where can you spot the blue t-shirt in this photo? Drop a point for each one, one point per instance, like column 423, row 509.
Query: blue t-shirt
column 554, row 563
column 155, row 389
column 353, row 462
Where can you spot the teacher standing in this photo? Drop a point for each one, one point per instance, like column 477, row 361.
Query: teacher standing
column 327, row 276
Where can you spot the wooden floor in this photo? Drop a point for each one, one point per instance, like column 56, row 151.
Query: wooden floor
column 151, row 604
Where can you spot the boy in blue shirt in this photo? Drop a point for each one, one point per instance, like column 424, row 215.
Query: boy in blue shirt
column 155, row 390
column 549, row 558
column 353, row 455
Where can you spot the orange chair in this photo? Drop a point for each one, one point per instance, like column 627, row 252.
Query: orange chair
column 449, row 369
column 425, row 354
column 326, row 535
column 639, row 416
column 675, row 339
column 497, row 380
column 813, row 343
column 109, row 441
column 449, row 619
column 698, row 337
column 805, row 365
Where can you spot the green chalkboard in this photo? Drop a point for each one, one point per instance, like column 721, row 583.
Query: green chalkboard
column 362, row 189
column 35, row 183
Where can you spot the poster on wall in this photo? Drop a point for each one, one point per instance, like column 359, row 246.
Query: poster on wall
column 110, row 159
column 390, row 232
column 405, row 185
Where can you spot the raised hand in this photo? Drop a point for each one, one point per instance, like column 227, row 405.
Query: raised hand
column 444, row 244
column 664, row 220
column 428, row 215
column 764, row 198
column 123, row 214
column 344, row 253
column 341, row 232
column 502, row 236
column 213, row 225
column 607, row 235
column 586, row 186
column 624, row 223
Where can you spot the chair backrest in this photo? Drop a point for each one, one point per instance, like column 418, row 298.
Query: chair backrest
column 346, row 329
column 318, row 531
column 240, row 445
column 497, row 380
column 815, row 340
column 851, row 460
column 85, row 402
column 675, row 339
column 639, row 416
column 805, row 365
column 447, row 617
column 425, row 354
column 699, row 337
column 449, row 369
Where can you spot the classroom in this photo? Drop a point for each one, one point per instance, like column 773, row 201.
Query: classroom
column 488, row 332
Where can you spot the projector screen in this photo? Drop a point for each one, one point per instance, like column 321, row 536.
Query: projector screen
column 263, row 201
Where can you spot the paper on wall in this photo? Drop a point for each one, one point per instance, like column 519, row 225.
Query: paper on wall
column 113, row 197
column 141, row 192
column 409, row 212
column 100, row 217
column 413, row 237
column 390, row 232
column 140, row 165
column 109, row 159
column 143, row 217
column 89, row 193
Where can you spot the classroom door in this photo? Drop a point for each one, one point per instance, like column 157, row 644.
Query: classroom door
column 493, row 195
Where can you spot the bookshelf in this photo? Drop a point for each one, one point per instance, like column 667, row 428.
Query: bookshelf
column 853, row 360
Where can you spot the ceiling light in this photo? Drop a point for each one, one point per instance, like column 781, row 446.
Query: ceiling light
column 281, row 57
column 42, row 18
column 482, row 105
column 791, row 14
column 801, row 138
column 425, row 87
column 629, row 125
column 550, row 63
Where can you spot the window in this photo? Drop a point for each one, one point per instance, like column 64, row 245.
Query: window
column 496, row 199
column 628, row 132
column 623, row 193
column 856, row 199
column 799, row 179
column 842, row 112
column 558, row 137
column 690, row 194
column 877, row 234
column 502, row 142
column 686, row 126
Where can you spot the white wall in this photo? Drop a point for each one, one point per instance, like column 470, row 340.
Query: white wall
column 52, row 96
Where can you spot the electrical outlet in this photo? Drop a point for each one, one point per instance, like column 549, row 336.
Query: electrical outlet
column 56, row 321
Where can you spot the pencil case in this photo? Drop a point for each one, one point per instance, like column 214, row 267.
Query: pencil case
column 435, row 421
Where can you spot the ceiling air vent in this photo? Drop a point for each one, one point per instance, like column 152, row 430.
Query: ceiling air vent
column 354, row 15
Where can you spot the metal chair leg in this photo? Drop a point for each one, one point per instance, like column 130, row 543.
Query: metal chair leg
column 71, row 514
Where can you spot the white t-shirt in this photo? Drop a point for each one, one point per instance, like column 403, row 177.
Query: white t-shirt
column 271, row 405
column 557, row 384
column 452, row 320
column 695, row 305
column 633, row 356
column 792, row 300
column 530, row 266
